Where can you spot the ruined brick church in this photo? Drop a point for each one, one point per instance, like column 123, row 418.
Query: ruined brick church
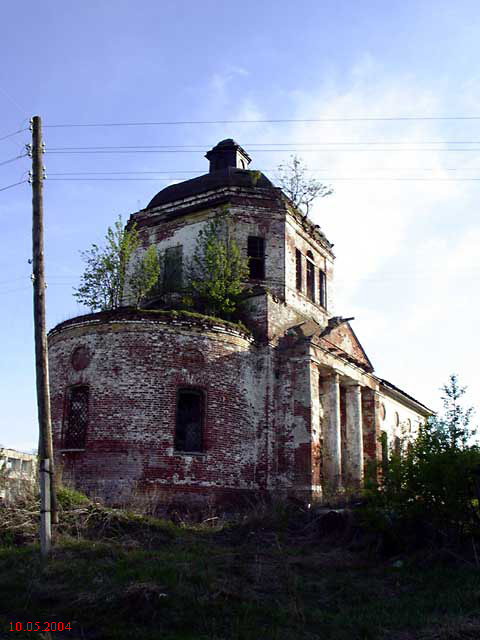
column 195, row 409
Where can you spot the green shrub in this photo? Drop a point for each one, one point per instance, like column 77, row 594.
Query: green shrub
column 430, row 492
column 71, row 498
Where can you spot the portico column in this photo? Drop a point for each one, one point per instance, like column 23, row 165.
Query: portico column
column 354, row 435
column 332, row 435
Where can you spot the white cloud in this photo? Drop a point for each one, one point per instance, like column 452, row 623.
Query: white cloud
column 407, row 263
column 222, row 80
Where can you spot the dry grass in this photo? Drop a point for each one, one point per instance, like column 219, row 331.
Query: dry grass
column 274, row 572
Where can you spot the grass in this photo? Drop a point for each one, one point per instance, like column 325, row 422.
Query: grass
column 123, row 313
column 274, row 576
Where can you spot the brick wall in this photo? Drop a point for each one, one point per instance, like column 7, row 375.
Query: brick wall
column 134, row 369
column 264, row 427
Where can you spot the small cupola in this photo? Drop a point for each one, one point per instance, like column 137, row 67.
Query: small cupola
column 227, row 153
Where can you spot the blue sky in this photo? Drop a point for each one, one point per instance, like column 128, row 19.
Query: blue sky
column 408, row 265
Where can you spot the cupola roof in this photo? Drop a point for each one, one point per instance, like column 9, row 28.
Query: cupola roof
column 228, row 168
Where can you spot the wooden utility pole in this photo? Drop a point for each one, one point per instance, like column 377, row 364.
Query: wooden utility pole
column 45, row 447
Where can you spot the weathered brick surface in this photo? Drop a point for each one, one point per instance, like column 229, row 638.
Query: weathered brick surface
column 133, row 375
column 266, row 398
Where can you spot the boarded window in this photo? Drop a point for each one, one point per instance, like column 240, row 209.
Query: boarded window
column 310, row 276
column 323, row 288
column 173, row 269
column 76, row 418
column 189, row 422
column 298, row 269
column 256, row 257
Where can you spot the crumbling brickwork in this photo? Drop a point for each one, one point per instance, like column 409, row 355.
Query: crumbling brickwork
column 292, row 409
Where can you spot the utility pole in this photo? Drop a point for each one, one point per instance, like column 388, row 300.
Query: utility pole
column 48, row 503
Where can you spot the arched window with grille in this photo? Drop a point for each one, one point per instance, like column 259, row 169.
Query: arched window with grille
column 76, row 418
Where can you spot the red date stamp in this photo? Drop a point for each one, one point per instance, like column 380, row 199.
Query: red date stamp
column 40, row 626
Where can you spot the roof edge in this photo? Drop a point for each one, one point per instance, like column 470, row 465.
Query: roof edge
column 396, row 391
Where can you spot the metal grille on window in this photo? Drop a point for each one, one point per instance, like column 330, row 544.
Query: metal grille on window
column 256, row 257
column 189, row 424
column 76, row 418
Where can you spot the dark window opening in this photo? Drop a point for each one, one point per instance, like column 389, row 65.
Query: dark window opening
column 298, row 269
column 384, row 445
column 76, row 418
column 323, row 288
column 172, row 269
column 256, row 257
column 190, row 417
column 397, row 446
column 310, row 276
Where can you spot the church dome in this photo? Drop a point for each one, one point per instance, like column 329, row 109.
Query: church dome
column 228, row 168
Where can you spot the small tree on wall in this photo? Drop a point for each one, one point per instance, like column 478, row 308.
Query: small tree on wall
column 104, row 280
column 302, row 190
column 145, row 275
column 217, row 271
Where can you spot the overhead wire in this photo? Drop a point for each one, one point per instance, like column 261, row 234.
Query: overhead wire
column 122, row 151
column 10, row 135
column 120, row 173
column 261, row 121
column 325, row 178
column 201, row 147
column 23, row 155
column 13, row 185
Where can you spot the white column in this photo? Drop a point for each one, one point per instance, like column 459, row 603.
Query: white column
column 354, row 435
column 332, row 435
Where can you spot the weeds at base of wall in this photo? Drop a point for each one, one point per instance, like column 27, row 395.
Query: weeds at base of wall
column 280, row 571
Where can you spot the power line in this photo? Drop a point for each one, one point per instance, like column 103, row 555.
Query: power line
column 13, row 185
column 260, row 121
column 108, row 179
column 254, row 145
column 121, row 173
column 3, row 282
column 24, row 155
column 121, row 151
column 10, row 135
column 21, row 109
column 324, row 178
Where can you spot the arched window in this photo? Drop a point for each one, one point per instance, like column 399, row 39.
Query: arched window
column 322, row 288
column 383, row 411
column 189, row 420
column 76, row 418
column 310, row 276
column 298, row 269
